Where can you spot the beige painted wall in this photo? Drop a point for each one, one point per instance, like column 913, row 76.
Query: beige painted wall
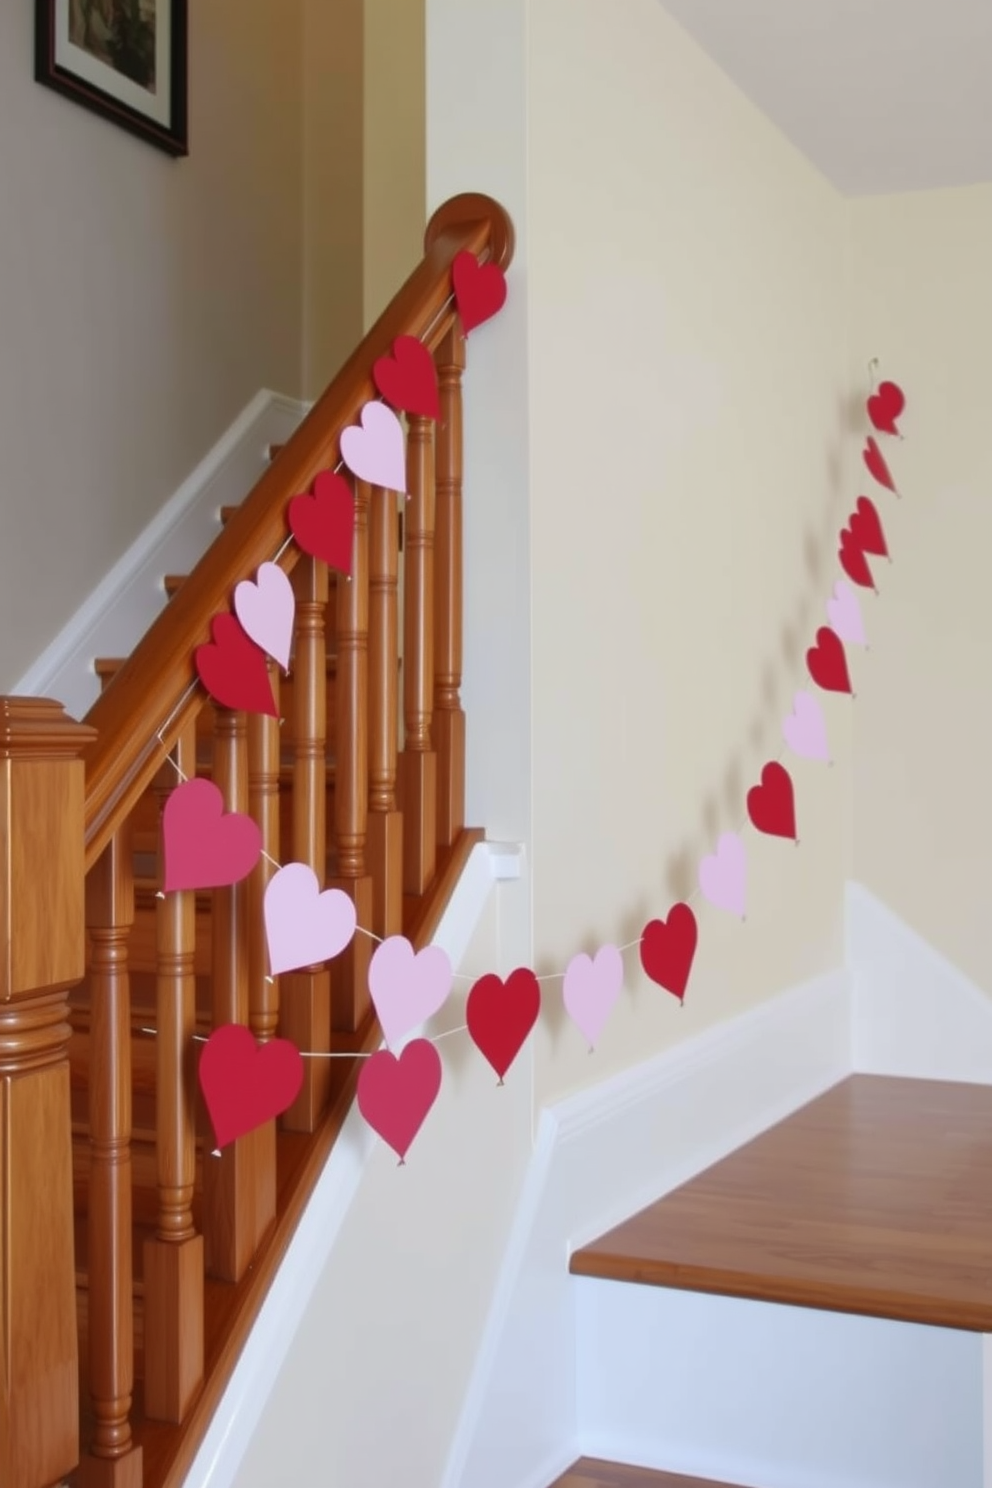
column 689, row 461
column 143, row 301
column 922, row 302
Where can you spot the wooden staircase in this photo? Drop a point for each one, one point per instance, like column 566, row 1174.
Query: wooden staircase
column 124, row 1326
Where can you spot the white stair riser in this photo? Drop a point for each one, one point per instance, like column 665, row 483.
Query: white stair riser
column 770, row 1396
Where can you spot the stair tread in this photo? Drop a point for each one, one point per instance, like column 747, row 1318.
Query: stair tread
column 875, row 1198
column 590, row 1472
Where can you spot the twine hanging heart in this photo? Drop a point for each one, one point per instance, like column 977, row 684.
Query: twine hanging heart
column 668, row 949
column 233, row 669
column 723, row 875
column 592, row 986
column 866, row 528
column 408, row 378
column 245, row 1084
column 373, row 448
column 204, row 847
column 395, row 1094
column 324, row 523
column 876, row 466
column 853, row 561
column 266, row 609
column 501, row 1014
column 805, row 729
column 826, row 662
column 407, row 987
column 480, row 290
column 885, row 406
column 304, row 927
column 844, row 614
column 771, row 805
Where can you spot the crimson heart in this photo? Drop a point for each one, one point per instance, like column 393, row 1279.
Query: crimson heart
column 324, row 523
column 885, row 406
column 668, row 948
column 772, row 804
column 827, row 663
column 246, row 1084
column 234, row 670
column 480, row 289
column 408, row 378
column 395, row 1094
column 866, row 528
column 876, row 466
column 501, row 1014
column 204, row 847
column 853, row 561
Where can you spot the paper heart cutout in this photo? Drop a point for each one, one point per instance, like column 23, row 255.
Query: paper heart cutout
column 885, row 405
column 373, row 449
column 204, row 847
column 771, row 805
column 480, row 289
column 853, row 561
column 723, row 875
column 591, row 988
column 826, row 662
column 805, row 729
column 844, row 614
column 324, row 523
column 234, row 670
column 875, row 464
column 668, row 948
column 395, row 1094
column 866, row 528
column 267, row 609
column 408, row 378
column 245, row 1084
column 501, row 1014
column 304, row 927
column 407, row 987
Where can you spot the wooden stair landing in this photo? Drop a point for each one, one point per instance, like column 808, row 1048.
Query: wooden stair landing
column 876, row 1198
column 590, row 1473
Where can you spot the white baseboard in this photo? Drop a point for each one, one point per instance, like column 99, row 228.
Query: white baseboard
column 126, row 601
column 602, row 1155
column 913, row 1012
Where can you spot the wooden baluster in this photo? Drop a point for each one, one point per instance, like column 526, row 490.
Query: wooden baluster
column 113, row 1461
column 448, row 725
column 263, row 807
column 305, row 1001
column 350, row 972
column 42, row 939
column 239, row 1199
column 418, row 763
column 385, row 823
column 173, row 1259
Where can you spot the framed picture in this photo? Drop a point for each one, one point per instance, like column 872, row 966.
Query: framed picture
column 124, row 59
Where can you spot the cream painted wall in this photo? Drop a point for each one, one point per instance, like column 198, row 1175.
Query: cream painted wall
column 690, row 462
column 922, row 302
column 143, row 301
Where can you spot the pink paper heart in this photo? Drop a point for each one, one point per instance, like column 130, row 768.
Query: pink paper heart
column 395, row 1094
column 407, row 988
column 591, row 989
column 267, row 609
column 374, row 451
column 844, row 614
column 723, row 875
column 203, row 847
column 805, row 729
column 303, row 926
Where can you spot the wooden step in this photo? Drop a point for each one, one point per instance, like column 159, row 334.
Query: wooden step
column 875, row 1198
column 590, row 1472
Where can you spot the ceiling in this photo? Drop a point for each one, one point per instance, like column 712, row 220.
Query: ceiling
column 881, row 95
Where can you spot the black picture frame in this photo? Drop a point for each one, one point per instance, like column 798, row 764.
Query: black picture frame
column 106, row 67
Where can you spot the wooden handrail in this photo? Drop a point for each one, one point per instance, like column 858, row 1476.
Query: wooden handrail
column 153, row 696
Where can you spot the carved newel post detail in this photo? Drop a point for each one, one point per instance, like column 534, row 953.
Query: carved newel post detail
column 42, row 948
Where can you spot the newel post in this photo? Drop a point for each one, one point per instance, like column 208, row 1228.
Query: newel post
column 42, row 955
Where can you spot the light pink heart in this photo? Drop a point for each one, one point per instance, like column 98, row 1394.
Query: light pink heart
column 374, row 451
column 591, row 990
column 303, row 926
column 844, row 614
column 267, row 609
column 723, row 875
column 407, row 987
column 805, row 729
column 204, row 847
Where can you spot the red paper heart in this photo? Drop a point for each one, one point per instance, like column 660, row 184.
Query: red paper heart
column 853, row 561
column 668, row 948
column 866, row 528
column 324, row 523
column 501, row 1015
column 395, row 1094
column 203, row 847
column 876, row 466
column 480, row 289
column 234, row 670
column 244, row 1083
column 408, row 379
column 827, row 663
column 772, row 804
column 885, row 406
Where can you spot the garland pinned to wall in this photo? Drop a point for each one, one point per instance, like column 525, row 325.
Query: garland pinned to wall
column 204, row 847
